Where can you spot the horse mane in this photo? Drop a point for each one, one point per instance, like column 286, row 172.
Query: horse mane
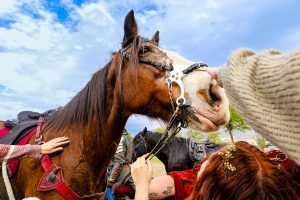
column 87, row 106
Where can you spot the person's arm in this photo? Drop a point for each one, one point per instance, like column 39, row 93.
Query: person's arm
column 141, row 171
column 162, row 187
column 118, row 160
column 265, row 90
column 13, row 152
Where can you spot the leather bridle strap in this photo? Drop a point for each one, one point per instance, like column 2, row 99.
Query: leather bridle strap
column 194, row 67
column 159, row 65
column 166, row 137
column 121, row 90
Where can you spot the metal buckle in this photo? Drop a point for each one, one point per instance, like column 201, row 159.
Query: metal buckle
column 175, row 76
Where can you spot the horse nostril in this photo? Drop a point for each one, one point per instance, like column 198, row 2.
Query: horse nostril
column 212, row 95
column 215, row 94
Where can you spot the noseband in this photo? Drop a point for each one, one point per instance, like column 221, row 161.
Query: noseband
column 174, row 75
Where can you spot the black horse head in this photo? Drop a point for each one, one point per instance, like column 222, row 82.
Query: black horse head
column 178, row 154
column 140, row 144
column 174, row 154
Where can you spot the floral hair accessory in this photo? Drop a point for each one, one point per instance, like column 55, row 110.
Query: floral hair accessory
column 227, row 155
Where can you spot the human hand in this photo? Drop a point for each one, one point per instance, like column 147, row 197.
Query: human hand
column 54, row 145
column 141, row 171
column 214, row 74
column 110, row 183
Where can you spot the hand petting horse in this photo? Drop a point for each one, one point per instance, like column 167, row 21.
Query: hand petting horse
column 134, row 81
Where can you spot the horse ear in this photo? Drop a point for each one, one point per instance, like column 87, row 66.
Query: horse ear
column 130, row 29
column 155, row 37
column 145, row 130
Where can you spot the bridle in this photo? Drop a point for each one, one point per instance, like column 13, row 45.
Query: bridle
column 141, row 141
column 173, row 75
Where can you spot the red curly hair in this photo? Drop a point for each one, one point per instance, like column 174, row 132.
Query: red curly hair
column 255, row 178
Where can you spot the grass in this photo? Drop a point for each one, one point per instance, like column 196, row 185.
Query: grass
column 158, row 167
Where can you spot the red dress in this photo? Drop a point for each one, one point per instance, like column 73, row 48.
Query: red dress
column 184, row 181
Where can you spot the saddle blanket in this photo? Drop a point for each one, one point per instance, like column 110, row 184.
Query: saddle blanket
column 12, row 166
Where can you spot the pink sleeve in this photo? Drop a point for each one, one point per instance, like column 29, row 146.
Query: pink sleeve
column 13, row 152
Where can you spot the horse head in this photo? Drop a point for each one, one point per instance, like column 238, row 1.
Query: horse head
column 140, row 143
column 147, row 71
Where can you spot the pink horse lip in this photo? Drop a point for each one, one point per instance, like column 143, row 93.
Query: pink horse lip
column 211, row 126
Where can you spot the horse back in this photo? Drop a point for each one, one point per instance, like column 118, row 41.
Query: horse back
column 1, row 124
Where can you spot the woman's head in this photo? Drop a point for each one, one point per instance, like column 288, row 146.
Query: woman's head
column 242, row 172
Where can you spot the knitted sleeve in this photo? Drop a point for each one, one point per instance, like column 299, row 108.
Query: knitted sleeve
column 265, row 90
column 13, row 152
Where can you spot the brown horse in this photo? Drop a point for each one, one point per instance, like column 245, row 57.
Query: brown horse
column 1, row 124
column 133, row 82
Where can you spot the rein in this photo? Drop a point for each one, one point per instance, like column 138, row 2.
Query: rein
column 166, row 137
column 173, row 76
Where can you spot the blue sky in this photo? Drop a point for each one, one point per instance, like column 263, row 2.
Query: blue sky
column 49, row 49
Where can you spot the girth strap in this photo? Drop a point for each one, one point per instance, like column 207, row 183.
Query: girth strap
column 54, row 174
column 54, row 179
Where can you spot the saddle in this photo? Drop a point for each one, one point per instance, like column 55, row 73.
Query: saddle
column 196, row 149
column 20, row 128
column 16, row 132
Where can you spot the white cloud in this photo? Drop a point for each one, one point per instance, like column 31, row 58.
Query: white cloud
column 43, row 62
column 8, row 6
column 41, row 58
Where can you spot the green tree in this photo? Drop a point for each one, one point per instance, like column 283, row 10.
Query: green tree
column 195, row 134
column 261, row 141
column 236, row 122
column 213, row 137
column 129, row 135
column 161, row 131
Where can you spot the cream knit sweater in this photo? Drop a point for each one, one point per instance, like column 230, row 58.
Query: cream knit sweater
column 265, row 90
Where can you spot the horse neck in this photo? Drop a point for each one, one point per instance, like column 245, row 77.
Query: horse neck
column 152, row 139
column 94, row 121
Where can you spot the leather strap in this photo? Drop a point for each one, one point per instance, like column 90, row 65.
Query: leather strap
column 3, row 192
column 62, row 188
column 38, row 135
column 53, row 177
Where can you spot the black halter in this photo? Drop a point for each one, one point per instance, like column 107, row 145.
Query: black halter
column 182, row 122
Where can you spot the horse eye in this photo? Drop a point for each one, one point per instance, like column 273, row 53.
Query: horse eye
column 145, row 50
